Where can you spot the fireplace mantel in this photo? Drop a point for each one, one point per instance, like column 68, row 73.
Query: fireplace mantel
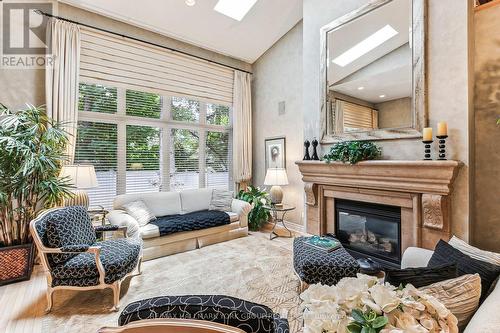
column 420, row 188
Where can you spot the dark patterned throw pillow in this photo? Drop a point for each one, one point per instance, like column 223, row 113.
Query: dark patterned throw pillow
column 445, row 253
column 420, row 276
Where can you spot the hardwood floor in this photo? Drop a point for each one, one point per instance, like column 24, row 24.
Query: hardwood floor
column 22, row 304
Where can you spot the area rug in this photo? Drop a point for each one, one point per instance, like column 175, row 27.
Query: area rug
column 252, row 268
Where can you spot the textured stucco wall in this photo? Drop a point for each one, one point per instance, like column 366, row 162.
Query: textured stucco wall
column 278, row 77
column 28, row 86
column 449, row 85
column 486, row 226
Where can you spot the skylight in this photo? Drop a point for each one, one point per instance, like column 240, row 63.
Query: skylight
column 365, row 46
column 235, row 9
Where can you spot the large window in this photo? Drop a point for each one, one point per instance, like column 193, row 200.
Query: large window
column 147, row 142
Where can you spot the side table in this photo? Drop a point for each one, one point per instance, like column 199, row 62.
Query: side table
column 278, row 213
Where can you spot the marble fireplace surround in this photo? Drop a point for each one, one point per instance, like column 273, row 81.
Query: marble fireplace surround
column 420, row 188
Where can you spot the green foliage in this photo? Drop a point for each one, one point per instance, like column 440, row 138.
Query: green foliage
column 369, row 322
column 352, row 152
column 98, row 141
column 257, row 198
column 32, row 150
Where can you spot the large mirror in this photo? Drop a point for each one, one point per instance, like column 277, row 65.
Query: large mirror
column 373, row 73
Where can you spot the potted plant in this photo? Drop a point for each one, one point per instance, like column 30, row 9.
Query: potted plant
column 32, row 150
column 352, row 152
column 258, row 199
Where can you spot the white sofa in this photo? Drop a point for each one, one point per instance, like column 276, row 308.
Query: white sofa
column 486, row 318
column 170, row 203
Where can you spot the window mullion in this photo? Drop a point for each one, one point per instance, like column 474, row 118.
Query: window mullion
column 121, row 176
column 202, row 144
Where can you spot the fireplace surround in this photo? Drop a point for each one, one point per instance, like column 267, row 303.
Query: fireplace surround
column 420, row 189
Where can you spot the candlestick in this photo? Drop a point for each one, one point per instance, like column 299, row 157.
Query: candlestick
column 427, row 150
column 442, row 146
column 442, row 129
column 427, row 134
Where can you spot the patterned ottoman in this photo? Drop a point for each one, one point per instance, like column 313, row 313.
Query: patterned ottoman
column 316, row 266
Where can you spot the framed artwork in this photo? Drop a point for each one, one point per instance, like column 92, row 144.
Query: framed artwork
column 275, row 152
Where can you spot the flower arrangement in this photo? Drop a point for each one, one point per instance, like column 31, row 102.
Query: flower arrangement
column 258, row 199
column 352, row 152
column 365, row 305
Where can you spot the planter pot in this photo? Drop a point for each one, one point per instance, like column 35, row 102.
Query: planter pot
column 16, row 263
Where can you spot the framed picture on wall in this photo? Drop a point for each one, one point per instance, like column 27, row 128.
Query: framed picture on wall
column 275, row 152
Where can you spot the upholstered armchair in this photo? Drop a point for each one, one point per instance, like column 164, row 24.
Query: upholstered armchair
column 74, row 259
column 193, row 310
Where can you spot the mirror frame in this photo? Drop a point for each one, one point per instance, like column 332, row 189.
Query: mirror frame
column 419, row 78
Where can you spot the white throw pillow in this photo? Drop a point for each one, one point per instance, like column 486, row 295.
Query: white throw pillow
column 139, row 211
column 474, row 252
column 221, row 200
column 122, row 219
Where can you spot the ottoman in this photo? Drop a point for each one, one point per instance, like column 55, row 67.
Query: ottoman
column 314, row 265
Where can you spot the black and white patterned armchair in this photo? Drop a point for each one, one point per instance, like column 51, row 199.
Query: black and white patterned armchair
column 74, row 259
column 246, row 316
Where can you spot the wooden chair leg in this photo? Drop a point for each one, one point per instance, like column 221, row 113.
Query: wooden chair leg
column 116, row 295
column 49, row 294
column 139, row 266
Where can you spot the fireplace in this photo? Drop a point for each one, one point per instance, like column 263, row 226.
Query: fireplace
column 369, row 230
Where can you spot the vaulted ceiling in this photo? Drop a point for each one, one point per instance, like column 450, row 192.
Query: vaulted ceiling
column 265, row 23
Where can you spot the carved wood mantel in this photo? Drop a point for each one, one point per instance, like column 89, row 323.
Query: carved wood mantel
column 420, row 188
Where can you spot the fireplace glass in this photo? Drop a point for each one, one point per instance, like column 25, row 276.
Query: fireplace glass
column 369, row 230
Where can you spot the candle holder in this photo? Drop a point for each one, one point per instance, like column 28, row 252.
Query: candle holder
column 442, row 147
column 427, row 150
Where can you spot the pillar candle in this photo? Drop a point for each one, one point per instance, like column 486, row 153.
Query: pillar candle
column 427, row 134
column 442, row 129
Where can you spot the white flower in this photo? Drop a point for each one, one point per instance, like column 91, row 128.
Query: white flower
column 384, row 297
column 263, row 201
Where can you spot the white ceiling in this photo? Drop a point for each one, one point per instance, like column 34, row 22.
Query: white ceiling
column 386, row 70
column 265, row 23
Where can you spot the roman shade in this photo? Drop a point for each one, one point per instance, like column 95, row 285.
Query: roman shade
column 355, row 116
column 131, row 64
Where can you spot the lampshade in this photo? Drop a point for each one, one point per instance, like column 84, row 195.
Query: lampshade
column 276, row 176
column 81, row 176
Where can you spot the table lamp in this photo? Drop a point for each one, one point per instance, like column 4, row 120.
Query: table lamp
column 276, row 177
column 82, row 177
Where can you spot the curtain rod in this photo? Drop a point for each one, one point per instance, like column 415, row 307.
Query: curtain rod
column 140, row 40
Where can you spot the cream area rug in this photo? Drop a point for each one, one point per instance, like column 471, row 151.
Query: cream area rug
column 252, row 268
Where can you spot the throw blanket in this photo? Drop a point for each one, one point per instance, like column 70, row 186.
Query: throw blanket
column 191, row 221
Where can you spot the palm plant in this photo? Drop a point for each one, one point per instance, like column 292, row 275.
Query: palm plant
column 32, row 150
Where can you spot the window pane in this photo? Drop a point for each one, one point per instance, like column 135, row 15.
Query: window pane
column 143, row 159
column 184, row 160
column 184, row 109
column 218, row 114
column 218, row 162
column 96, row 144
column 97, row 98
column 143, row 104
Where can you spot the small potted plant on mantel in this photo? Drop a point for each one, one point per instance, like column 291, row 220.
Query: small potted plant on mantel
column 352, row 152
column 32, row 150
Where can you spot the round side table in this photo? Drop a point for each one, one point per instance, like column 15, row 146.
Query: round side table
column 278, row 213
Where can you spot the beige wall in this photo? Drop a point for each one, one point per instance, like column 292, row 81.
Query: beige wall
column 28, row 86
column 449, row 80
column 278, row 77
column 486, row 226
column 395, row 113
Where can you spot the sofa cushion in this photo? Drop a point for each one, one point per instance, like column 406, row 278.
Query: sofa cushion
column 191, row 221
column 118, row 257
column 68, row 226
column 221, row 200
column 149, row 231
column 486, row 318
column 459, row 295
column 445, row 253
column 420, row 276
column 195, row 200
column 474, row 252
column 235, row 312
column 140, row 212
column 160, row 203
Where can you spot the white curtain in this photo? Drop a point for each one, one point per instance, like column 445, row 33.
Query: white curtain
column 339, row 116
column 61, row 78
column 242, row 128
